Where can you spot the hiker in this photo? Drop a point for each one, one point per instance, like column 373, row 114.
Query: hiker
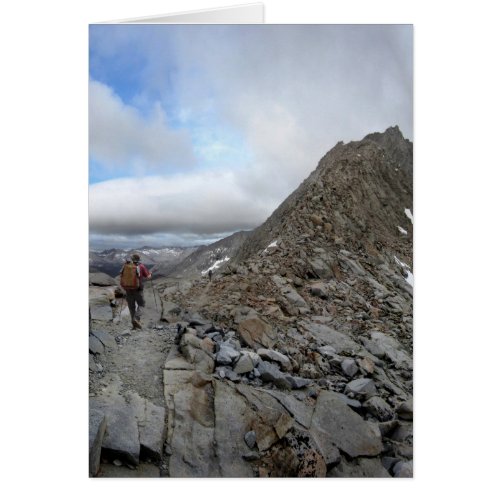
column 132, row 275
column 210, row 275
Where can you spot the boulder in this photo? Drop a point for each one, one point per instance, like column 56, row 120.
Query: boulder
column 95, row 345
column 281, row 359
column 361, row 387
column 256, row 332
column 101, row 279
column 227, row 355
column 122, row 434
column 334, row 423
column 320, row 268
column 271, row 373
column 106, row 339
column 390, row 348
column 367, row 365
column 294, row 297
column 379, row 409
column 244, row 364
column 349, row 367
column 352, row 265
column 405, row 410
column 341, row 342
column 403, row 469
column 319, row 290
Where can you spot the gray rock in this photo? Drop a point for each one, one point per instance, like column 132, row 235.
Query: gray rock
column 327, row 351
column 319, row 290
column 122, row 435
column 152, row 429
column 322, row 269
column 353, row 403
column 388, row 462
column 379, row 408
column 403, row 469
column 349, row 367
column 97, row 428
column 251, row 456
column 244, row 364
column 294, row 297
column 333, row 422
column 298, row 382
column 281, row 359
column 101, row 279
column 229, row 447
column 386, row 428
column 227, row 355
column 352, row 265
column 95, row 345
column 106, row 339
column 241, row 313
column 362, row 387
column 92, row 364
column 403, row 432
column 392, row 349
column 301, row 412
column 250, row 439
column 257, row 333
column 191, row 433
column 271, row 373
column 341, row 342
column 362, row 467
column 405, row 410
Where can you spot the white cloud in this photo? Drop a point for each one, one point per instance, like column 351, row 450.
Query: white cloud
column 202, row 203
column 119, row 137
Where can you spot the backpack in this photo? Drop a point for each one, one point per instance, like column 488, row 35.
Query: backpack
column 130, row 279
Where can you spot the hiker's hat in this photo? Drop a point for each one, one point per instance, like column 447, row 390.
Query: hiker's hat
column 136, row 257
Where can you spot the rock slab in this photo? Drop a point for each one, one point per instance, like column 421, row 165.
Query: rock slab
column 97, row 428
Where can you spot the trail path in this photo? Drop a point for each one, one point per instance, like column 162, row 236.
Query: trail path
column 132, row 367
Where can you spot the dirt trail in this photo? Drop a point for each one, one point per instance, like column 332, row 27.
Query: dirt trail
column 134, row 364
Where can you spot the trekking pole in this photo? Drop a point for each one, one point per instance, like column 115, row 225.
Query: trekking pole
column 154, row 295
column 120, row 311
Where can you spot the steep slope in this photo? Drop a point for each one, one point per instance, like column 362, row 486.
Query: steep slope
column 211, row 256
column 355, row 200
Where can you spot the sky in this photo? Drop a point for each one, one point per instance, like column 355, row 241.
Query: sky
column 198, row 131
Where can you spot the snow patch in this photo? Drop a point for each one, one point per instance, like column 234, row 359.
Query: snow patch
column 409, row 214
column 406, row 267
column 215, row 265
column 273, row 244
column 401, row 230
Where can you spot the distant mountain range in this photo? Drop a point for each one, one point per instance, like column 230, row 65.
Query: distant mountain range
column 159, row 260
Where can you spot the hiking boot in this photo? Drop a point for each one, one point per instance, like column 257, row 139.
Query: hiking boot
column 136, row 324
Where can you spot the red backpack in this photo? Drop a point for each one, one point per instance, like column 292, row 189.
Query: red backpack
column 130, row 276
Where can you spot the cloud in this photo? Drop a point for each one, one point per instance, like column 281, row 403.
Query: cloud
column 202, row 203
column 120, row 138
